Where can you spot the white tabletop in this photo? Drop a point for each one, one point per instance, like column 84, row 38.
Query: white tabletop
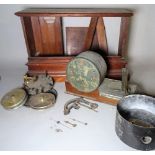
column 29, row 129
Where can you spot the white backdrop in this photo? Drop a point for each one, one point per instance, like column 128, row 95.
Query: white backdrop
column 13, row 54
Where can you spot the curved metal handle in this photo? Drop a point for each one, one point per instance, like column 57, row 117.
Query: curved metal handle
column 69, row 105
column 146, row 140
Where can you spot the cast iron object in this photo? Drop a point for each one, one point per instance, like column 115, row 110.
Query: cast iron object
column 76, row 103
column 135, row 121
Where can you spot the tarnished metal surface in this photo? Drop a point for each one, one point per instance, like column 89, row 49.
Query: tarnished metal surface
column 14, row 99
column 41, row 101
column 72, row 124
column 86, row 71
column 38, row 84
column 135, row 121
column 76, row 103
column 125, row 80
column 115, row 89
column 84, row 123
column 111, row 88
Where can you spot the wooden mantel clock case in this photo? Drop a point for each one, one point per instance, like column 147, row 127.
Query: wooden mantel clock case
column 43, row 32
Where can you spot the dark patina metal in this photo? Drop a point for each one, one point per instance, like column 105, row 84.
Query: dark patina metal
column 76, row 103
column 135, row 121
column 86, row 71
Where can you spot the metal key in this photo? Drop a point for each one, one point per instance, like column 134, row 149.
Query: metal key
column 79, row 121
column 58, row 122
column 73, row 125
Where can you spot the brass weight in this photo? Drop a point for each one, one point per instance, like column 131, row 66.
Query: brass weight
column 41, row 101
column 14, row 98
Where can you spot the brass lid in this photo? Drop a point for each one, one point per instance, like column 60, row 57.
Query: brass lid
column 42, row 101
column 14, row 98
column 83, row 75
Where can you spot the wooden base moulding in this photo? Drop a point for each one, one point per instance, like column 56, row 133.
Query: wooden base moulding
column 56, row 66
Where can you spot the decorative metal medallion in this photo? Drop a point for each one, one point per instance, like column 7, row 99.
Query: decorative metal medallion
column 14, row 99
column 83, row 75
column 86, row 71
column 42, row 101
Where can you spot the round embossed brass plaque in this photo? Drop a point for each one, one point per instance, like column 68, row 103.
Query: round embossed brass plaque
column 14, row 99
column 83, row 75
column 86, row 71
column 42, row 101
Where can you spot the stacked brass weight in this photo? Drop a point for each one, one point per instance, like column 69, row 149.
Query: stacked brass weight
column 14, row 99
column 86, row 71
column 42, row 101
column 38, row 84
column 41, row 92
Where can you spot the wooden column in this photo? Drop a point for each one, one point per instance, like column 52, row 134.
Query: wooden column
column 123, row 38
column 90, row 34
column 101, row 35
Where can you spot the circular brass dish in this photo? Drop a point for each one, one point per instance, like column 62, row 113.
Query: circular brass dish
column 41, row 101
column 14, row 99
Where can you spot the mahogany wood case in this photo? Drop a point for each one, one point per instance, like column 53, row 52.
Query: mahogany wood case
column 43, row 32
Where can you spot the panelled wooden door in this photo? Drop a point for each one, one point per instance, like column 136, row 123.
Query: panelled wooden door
column 43, row 35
